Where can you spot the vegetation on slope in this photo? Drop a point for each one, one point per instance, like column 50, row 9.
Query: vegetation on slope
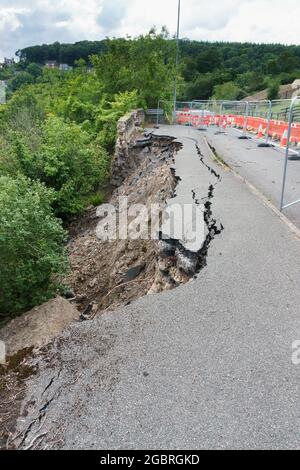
column 32, row 253
column 58, row 130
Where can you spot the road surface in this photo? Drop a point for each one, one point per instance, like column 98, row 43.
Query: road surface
column 205, row 366
column 262, row 167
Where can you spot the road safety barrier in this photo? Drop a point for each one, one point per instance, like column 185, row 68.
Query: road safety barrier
column 291, row 133
column 271, row 123
column 253, row 117
column 276, row 130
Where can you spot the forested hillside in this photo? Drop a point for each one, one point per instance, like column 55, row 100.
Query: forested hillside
column 64, row 53
column 235, row 70
column 223, row 70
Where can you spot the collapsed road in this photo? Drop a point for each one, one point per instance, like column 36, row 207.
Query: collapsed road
column 206, row 365
column 107, row 274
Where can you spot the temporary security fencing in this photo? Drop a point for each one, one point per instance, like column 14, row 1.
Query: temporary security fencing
column 272, row 123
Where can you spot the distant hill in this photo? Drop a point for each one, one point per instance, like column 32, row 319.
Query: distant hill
column 246, row 67
column 222, row 70
column 203, row 56
column 62, row 53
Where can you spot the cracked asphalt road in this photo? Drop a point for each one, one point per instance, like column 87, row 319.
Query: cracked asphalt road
column 263, row 167
column 205, row 366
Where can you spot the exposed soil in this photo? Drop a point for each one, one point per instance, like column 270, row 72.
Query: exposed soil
column 107, row 274
column 12, row 391
column 104, row 274
column 37, row 328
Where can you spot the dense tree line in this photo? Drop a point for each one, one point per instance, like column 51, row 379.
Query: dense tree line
column 244, row 68
column 199, row 56
column 62, row 53
column 235, row 70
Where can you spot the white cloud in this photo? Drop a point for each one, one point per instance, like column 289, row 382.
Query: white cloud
column 29, row 22
column 9, row 19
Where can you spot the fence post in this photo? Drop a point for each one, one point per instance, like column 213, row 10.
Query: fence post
column 287, row 152
column 246, row 118
column 266, row 143
column 190, row 120
column 220, row 114
column 174, row 113
column 157, row 120
column 244, row 136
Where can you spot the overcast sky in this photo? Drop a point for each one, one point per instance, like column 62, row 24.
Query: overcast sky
column 29, row 22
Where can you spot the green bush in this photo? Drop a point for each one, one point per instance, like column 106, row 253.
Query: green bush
column 95, row 199
column 227, row 91
column 67, row 160
column 273, row 90
column 23, row 78
column 108, row 115
column 72, row 163
column 32, row 253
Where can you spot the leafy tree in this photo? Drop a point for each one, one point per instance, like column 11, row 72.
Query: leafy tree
column 34, row 69
column 227, row 91
column 251, row 82
column 64, row 53
column 21, row 79
column 287, row 77
column 32, row 253
column 273, row 90
column 67, row 160
column 209, row 59
column 6, row 73
column 23, row 108
column 190, row 68
column 201, row 87
column 108, row 115
column 273, row 67
column 288, row 62
column 145, row 64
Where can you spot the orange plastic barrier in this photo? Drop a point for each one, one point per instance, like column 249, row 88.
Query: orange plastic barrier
column 198, row 121
column 183, row 117
column 256, row 124
column 239, row 122
column 295, row 134
column 277, row 130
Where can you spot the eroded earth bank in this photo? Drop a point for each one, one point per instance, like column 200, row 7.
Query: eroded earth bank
column 105, row 275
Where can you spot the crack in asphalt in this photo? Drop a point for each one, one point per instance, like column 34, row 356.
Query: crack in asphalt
column 193, row 262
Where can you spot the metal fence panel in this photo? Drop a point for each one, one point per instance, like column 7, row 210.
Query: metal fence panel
column 272, row 123
column 292, row 137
